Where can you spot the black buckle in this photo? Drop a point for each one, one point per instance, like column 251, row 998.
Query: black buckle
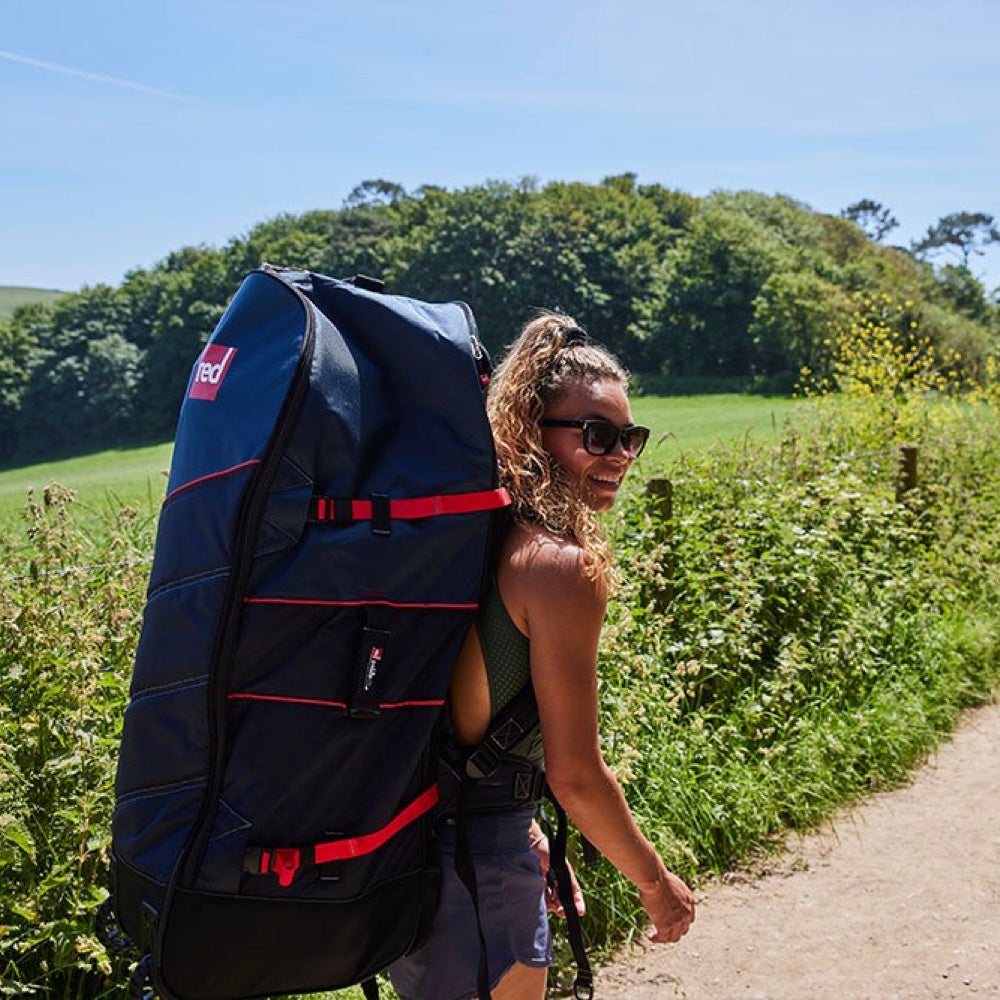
column 527, row 785
column 381, row 514
column 368, row 283
column 482, row 763
column 253, row 858
column 341, row 511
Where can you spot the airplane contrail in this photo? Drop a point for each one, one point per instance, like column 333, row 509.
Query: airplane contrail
column 114, row 81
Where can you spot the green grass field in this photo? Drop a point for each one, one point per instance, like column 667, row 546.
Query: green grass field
column 102, row 481
column 12, row 296
column 136, row 476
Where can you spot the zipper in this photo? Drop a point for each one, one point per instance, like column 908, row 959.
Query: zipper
column 227, row 636
column 484, row 366
column 494, row 534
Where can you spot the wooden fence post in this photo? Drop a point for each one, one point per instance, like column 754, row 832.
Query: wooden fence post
column 660, row 494
column 661, row 500
column 907, row 479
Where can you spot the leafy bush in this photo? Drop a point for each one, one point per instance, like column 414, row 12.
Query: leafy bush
column 794, row 635
column 69, row 619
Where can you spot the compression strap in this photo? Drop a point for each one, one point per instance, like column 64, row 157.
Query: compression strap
column 284, row 862
column 341, row 511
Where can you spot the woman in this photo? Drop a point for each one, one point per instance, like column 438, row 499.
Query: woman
column 565, row 440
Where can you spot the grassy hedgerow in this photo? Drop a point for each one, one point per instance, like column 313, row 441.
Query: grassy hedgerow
column 70, row 611
column 794, row 636
column 797, row 635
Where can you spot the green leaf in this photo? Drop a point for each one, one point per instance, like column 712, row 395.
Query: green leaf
column 17, row 834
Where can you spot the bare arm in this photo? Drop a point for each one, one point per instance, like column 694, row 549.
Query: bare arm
column 564, row 612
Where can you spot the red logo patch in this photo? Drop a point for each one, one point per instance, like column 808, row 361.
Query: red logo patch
column 210, row 370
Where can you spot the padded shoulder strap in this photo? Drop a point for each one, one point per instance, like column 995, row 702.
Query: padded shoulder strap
column 510, row 725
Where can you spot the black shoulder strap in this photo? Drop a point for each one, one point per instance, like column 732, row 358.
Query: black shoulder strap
column 511, row 724
column 466, row 871
column 583, row 986
column 508, row 727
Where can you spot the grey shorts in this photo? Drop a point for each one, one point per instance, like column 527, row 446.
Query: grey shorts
column 511, row 905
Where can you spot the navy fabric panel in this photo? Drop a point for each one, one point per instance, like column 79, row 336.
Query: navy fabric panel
column 165, row 739
column 309, row 652
column 330, row 779
column 231, row 947
column 178, row 630
column 376, row 420
column 194, row 535
column 284, row 517
column 149, row 829
column 415, row 437
column 328, row 437
column 327, row 778
column 265, row 323
column 436, row 560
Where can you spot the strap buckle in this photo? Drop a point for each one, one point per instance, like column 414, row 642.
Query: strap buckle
column 529, row 785
column 281, row 861
column 482, row 762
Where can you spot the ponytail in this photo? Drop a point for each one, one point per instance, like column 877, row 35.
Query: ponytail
column 551, row 352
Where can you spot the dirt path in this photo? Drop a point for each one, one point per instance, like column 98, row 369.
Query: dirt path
column 898, row 900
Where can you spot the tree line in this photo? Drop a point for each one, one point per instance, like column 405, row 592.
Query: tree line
column 733, row 288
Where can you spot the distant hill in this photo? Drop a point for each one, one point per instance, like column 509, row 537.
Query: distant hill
column 12, row 296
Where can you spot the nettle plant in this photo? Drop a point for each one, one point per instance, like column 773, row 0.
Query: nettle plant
column 798, row 633
column 70, row 608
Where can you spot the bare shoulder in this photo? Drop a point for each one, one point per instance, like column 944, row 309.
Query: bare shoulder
column 543, row 570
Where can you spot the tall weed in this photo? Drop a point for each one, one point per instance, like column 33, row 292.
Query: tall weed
column 69, row 619
column 796, row 635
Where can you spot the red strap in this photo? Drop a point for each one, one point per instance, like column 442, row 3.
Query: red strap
column 352, row 847
column 412, row 508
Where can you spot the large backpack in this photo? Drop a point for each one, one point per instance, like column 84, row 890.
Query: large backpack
column 320, row 554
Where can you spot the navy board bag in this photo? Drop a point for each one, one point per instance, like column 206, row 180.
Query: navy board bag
column 329, row 525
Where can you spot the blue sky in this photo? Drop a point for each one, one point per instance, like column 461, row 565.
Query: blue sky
column 132, row 128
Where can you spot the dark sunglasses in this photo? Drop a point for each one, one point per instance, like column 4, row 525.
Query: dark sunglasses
column 601, row 436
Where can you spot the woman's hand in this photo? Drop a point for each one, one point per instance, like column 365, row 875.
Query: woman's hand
column 669, row 904
column 539, row 843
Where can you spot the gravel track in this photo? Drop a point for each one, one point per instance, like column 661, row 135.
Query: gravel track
column 897, row 899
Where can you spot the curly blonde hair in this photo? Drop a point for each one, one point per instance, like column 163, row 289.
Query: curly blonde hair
column 550, row 353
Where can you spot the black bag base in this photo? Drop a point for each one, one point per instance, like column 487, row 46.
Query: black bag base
column 223, row 947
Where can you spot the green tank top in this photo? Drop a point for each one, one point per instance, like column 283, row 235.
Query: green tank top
column 507, row 655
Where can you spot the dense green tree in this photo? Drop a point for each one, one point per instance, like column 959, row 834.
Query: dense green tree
column 961, row 288
column 19, row 339
column 113, row 376
column 715, row 273
column 738, row 284
column 796, row 315
column 375, row 192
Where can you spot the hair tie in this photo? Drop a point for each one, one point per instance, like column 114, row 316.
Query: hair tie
column 575, row 335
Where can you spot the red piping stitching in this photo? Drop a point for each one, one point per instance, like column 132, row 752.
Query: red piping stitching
column 357, row 604
column 332, row 704
column 211, row 475
column 297, row 701
column 412, row 704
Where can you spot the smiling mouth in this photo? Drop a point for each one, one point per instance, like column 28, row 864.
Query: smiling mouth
column 609, row 482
